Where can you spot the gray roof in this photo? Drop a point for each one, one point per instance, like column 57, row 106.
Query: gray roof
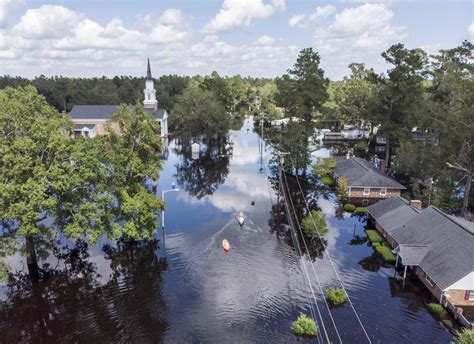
column 81, row 126
column 450, row 241
column 413, row 254
column 104, row 112
column 360, row 172
column 392, row 212
column 93, row 111
column 159, row 113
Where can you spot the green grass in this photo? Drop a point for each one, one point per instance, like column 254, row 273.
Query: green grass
column 304, row 326
column 361, row 210
column 336, row 296
column 349, row 207
column 385, row 252
column 466, row 336
column 436, row 309
column 374, row 236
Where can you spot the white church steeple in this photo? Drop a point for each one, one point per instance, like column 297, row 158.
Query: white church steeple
column 150, row 101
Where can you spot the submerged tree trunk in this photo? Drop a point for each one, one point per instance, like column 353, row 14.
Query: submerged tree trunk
column 387, row 154
column 31, row 259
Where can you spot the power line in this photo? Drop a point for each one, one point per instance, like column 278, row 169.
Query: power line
column 296, row 243
column 312, row 265
column 329, row 257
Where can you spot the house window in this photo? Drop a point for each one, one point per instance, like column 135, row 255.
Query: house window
column 366, row 191
column 470, row 295
column 383, row 191
column 429, row 280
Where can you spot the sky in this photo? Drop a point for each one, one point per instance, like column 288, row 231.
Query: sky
column 259, row 38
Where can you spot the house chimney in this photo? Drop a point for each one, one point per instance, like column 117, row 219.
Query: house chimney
column 415, row 203
column 382, row 165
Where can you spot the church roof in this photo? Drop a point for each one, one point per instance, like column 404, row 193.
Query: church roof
column 104, row 112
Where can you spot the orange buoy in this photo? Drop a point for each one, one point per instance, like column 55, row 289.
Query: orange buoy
column 225, row 245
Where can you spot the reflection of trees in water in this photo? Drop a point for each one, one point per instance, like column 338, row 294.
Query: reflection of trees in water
column 371, row 263
column 279, row 222
column 69, row 304
column 202, row 176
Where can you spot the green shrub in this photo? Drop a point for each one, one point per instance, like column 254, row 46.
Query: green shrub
column 327, row 180
column 361, row 146
column 349, row 207
column 315, row 218
column 406, row 195
column 336, row 296
column 374, row 236
column 304, row 326
column 466, row 336
column 436, row 309
column 385, row 252
column 342, row 188
column 361, row 210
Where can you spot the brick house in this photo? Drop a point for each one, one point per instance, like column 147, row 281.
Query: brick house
column 367, row 185
column 435, row 247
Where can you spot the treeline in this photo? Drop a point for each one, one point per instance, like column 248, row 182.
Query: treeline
column 434, row 94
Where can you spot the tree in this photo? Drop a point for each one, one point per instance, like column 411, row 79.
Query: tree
column 198, row 111
column 400, row 97
column 354, row 96
column 315, row 224
column 303, row 91
column 451, row 110
column 86, row 187
column 342, row 188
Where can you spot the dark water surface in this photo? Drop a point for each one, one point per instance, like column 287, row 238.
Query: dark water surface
column 192, row 291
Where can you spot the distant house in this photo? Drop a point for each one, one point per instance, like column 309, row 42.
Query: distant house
column 367, row 185
column 89, row 120
column 435, row 247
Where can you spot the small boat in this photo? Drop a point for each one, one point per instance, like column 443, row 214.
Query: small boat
column 241, row 218
column 225, row 245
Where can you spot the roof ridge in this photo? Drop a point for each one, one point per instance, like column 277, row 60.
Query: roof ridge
column 451, row 219
column 355, row 159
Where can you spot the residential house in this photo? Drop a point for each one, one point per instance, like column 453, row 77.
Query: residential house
column 89, row 120
column 436, row 247
column 367, row 185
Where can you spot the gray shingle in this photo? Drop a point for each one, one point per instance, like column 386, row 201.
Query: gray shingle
column 93, row 111
column 451, row 253
column 392, row 212
column 361, row 173
column 413, row 254
column 104, row 112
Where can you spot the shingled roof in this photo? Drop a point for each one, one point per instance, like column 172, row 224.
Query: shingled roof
column 450, row 241
column 104, row 112
column 392, row 212
column 360, row 173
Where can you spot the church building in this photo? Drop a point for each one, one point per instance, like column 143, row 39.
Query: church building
column 89, row 120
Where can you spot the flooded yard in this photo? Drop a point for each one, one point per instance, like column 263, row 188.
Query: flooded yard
column 188, row 289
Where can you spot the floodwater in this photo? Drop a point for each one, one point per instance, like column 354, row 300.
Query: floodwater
column 189, row 290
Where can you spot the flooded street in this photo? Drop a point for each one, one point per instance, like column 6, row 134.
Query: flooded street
column 190, row 290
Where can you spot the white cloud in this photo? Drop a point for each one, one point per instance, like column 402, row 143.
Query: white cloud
column 237, row 13
column 171, row 17
column 264, row 40
column 357, row 34
column 470, row 31
column 296, row 20
column 166, row 34
column 47, row 21
column 5, row 7
column 319, row 14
